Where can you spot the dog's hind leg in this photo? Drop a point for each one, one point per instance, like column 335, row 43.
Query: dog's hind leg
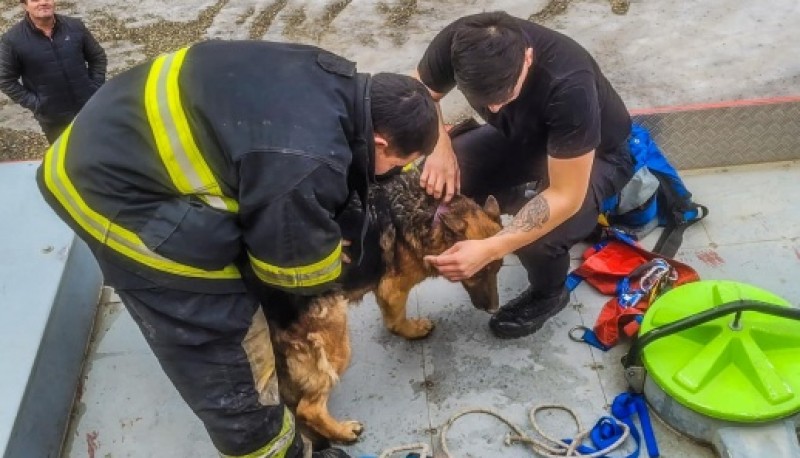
column 317, row 377
column 314, row 413
column 392, row 297
column 316, row 353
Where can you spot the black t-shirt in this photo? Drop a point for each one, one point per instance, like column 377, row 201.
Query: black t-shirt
column 566, row 107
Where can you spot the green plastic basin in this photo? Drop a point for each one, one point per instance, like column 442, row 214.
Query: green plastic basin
column 748, row 374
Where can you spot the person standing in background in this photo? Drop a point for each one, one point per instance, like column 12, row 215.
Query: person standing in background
column 51, row 65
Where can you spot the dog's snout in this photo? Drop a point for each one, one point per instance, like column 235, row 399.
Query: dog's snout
column 483, row 297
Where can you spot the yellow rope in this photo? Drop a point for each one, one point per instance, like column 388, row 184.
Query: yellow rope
column 546, row 447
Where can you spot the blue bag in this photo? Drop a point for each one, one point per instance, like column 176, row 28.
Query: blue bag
column 655, row 196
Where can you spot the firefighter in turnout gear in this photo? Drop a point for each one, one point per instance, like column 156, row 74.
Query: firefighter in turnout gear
column 213, row 174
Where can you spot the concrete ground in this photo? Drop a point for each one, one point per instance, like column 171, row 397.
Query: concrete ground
column 405, row 391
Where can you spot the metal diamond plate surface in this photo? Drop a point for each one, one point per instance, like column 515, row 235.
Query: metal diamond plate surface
column 727, row 135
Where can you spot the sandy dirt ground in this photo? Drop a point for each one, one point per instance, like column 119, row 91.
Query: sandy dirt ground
column 655, row 52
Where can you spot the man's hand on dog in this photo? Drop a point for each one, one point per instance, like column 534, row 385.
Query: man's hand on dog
column 441, row 175
column 463, row 260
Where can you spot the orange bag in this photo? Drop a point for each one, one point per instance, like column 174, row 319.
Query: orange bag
column 635, row 276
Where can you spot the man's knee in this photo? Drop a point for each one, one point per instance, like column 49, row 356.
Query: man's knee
column 557, row 243
column 489, row 162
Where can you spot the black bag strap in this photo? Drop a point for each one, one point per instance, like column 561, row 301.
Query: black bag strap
column 671, row 238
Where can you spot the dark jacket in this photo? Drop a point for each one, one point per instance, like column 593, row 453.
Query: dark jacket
column 58, row 74
column 284, row 129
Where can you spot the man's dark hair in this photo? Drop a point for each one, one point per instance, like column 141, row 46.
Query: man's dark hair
column 488, row 52
column 404, row 112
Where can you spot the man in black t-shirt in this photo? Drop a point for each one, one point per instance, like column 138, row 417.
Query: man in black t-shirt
column 552, row 117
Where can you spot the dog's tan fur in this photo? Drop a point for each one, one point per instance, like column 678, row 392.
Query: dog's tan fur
column 311, row 355
column 315, row 350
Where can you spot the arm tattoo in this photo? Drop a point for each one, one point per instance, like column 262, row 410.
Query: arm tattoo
column 532, row 216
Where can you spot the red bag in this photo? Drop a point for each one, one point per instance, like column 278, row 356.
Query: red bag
column 635, row 277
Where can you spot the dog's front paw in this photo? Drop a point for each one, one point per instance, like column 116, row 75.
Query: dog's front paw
column 417, row 328
column 348, row 431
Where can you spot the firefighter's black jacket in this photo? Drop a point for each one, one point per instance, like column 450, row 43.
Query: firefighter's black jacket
column 285, row 129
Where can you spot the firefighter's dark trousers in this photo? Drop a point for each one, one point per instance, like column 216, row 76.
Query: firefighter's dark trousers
column 493, row 165
column 217, row 352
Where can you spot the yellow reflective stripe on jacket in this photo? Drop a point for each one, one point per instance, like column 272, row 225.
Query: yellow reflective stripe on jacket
column 186, row 166
column 318, row 273
column 278, row 446
column 102, row 229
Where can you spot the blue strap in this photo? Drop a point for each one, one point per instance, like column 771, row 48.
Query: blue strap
column 605, row 433
column 591, row 338
column 624, row 407
column 573, row 279
column 626, row 296
column 622, row 236
column 572, row 282
column 584, row 449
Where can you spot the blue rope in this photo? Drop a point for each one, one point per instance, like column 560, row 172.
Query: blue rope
column 608, row 430
column 624, row 407
column 604, row 433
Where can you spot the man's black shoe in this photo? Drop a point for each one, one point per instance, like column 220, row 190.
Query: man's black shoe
column 330, row 452
column 526, row 314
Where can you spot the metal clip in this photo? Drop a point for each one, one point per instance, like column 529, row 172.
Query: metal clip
column 576, row 338
column 635, row 376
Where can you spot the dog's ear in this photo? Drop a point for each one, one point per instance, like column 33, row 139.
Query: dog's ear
column 492, row 208
column 454, row 222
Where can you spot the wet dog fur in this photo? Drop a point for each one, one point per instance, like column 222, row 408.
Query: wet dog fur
column 311, row 342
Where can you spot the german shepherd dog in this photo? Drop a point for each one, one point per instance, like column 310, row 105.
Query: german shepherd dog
column 311, row 344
